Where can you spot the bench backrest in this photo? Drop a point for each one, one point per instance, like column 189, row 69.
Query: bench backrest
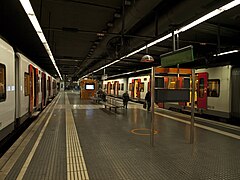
column 114, row 101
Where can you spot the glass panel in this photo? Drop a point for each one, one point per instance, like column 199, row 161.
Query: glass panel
column 130, row 87
column 122, row 88
column 172, row 82
column 214, row 88
column 201, row 87
column 2, row 83
column 142, row 87
column 26, row 84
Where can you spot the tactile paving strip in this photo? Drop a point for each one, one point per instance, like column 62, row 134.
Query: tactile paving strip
column 112, row 152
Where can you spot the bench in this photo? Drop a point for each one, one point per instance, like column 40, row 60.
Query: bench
column 112, row 103
column 96, row 99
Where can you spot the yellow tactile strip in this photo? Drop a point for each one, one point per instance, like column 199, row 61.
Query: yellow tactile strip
column 76, row 168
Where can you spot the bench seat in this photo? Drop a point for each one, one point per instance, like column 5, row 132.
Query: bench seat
column 110, row 105
column 96, row 99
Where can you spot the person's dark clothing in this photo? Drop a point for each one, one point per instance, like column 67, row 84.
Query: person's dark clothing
column 148, row 100
column 104, row 97
column 125, row 99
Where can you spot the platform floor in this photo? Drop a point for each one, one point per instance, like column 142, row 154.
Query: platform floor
column 77, row 139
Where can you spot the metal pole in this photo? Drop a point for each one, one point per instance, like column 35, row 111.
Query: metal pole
column 192, row 108
column 174, row 41
column 177, row 46
column 152, row 105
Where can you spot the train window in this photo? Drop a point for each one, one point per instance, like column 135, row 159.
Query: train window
column 142, row 87
column 26, row 84
column 130, row 87
column 172, row 82
column 201, row 88
column 2, row 82
column 159, row 82
column 213, row 87
column 122, row 86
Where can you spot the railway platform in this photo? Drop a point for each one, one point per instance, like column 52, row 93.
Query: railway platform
column 76, row 139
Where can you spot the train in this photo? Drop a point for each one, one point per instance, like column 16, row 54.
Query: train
column 216, row 89
column 25, row 89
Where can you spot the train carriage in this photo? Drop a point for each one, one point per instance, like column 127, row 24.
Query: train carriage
column 115, row 87
column 28, row 94
column 217, row 89
column 25, row 89
column 138, row 87
column 7, row 89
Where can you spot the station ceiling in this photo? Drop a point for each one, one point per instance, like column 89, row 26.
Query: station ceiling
column 85, row 35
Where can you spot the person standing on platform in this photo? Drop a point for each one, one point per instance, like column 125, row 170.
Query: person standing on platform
column 104, row 96
column 125, row 99
column 148, row 100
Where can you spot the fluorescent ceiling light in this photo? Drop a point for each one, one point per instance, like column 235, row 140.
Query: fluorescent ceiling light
column 27, row 6
column 208, row 16
column 135, row 52
column 140, row 70
column 184, row 28
column 131, row 72
column 42, row 38
column 228, row 52
column 31, row 15
column 159, row 40
column 35, row 23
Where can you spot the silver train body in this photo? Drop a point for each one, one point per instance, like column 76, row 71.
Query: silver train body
column 217, row 91
column 24, row 89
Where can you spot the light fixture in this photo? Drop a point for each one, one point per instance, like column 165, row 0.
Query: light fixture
column 227, row 52
column 33, row 19
column 100, row 34
column 117, row 15
column 147, row 58
column 110, row 24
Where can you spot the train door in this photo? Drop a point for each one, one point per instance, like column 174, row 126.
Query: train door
column 116, row 88
column 49, row 87
column 202, row 90
column 149, row 86
column 235, row 106
column 36, row 87
column 132, row 88
column 135, row 86
column 108, row 88
column 180, row 84
column 43, row 86
column 31, row 85
column 138, row 88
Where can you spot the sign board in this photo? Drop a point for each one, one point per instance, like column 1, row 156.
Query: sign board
column 179, row 56
column 172, row 95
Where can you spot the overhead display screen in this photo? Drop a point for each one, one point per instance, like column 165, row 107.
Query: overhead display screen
column 89, row 87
